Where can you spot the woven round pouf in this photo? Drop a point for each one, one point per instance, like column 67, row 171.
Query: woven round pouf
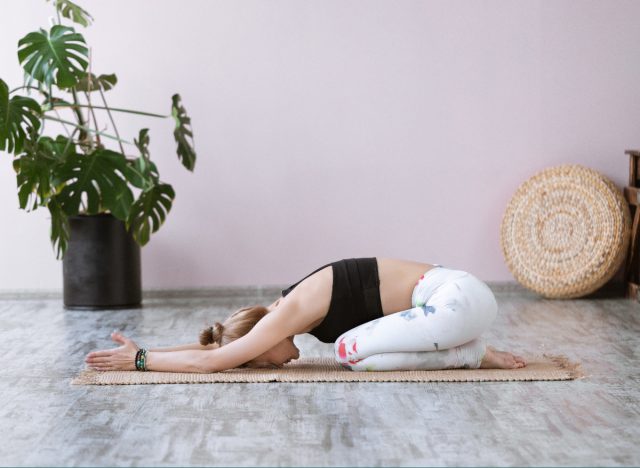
column 565, row 232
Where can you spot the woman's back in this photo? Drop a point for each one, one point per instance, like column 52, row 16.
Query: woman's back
column 397, row 279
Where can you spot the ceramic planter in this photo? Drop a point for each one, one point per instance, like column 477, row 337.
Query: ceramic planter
column 101, row 267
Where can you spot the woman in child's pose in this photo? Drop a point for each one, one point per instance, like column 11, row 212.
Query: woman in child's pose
column 380, row 314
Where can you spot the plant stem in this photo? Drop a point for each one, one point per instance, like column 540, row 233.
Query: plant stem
column 41, row 131
column 55, row 5
column 116, row 109
column 69, row 141
column 88, row 96
column 76, row 110
column 25, row 87
column 115, row 129
column 95, row 121
column 86, row 129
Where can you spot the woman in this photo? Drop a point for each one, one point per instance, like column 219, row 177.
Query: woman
column 381, row 314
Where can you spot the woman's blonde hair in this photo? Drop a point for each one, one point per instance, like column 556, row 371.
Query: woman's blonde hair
column 235, row 326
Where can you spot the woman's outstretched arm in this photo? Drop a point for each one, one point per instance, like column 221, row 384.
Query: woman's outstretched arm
column 184, row 347
column 177, row 359
column 188, row 360
column 198, row 345
column 268, row 332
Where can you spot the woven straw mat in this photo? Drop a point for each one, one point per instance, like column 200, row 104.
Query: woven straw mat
column 565, row 232
column 322, row 369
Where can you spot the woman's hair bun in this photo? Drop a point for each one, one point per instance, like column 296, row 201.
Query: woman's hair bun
column 212, row 334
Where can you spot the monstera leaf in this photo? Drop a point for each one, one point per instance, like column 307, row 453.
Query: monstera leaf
column 59, row 57
column 60, row 232
column 142, row 143
column 96, row 83
column 149, row 211
column 183, row 134
column 33, row 177
column 17, row 115
column 72, row 11
column 96, row 174
column 35, row 168
column 145, row 174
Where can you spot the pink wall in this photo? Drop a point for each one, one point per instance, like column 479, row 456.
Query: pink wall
column 331, row 129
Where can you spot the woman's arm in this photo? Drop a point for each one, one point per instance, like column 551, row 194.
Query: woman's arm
column 198, row 345
column 184, row 347
column 187, row 360
column 279, row 324
column 282, row 322
column 268, row 332
column 178, row 359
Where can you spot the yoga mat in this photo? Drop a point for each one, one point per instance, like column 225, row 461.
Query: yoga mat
column 317, row 369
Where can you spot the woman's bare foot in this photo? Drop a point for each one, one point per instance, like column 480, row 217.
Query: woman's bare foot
column 494, row 359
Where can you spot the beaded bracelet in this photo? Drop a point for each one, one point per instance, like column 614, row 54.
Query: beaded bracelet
column 137, row 358
column 141, row 359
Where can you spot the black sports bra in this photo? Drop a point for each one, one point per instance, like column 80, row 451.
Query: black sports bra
column 355, row 297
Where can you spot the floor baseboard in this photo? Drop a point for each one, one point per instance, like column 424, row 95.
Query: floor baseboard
column 610, row 290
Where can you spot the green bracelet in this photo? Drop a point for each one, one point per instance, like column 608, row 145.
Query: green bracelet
column 141, row 359
column 143, row 356
column 137, row 358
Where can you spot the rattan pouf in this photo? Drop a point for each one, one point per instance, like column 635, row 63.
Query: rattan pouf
column 565, row 232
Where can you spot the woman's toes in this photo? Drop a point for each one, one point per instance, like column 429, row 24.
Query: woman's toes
column 517, row 362
column 495, row 359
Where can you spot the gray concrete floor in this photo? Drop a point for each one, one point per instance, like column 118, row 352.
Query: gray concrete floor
column 46, row 421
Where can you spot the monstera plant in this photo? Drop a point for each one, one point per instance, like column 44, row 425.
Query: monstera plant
column 75, row 172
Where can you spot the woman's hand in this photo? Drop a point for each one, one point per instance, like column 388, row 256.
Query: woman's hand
column 121, row 358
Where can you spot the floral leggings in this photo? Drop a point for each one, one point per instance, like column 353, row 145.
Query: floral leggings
column 451, row 309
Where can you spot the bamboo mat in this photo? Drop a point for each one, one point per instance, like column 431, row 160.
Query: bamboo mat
column 317, row 369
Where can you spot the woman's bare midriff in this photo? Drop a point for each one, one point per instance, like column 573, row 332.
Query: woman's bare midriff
column 397, row 280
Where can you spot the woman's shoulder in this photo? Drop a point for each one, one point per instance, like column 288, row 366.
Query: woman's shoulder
column 318, row 283
column 312, row 296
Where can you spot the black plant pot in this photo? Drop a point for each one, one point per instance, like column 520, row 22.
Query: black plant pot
column 101, row 267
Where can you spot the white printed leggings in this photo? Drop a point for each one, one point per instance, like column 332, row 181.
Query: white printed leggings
column 451, row 309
